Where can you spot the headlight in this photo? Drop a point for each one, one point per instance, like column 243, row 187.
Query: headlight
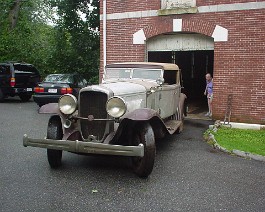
column 116, row 107
column 67, row 104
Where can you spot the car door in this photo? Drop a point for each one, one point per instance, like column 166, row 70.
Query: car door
column 168, row 94
column 167, row 97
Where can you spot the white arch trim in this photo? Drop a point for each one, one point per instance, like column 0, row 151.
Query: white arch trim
column 139, row 37
column 220, row 34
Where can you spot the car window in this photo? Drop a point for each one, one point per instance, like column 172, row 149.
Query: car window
column 59, row 78
column 19, row 68
column 4, row 69
column 153, row 74
column 170, row 77
column 85, row 82
column 118, row 73
column 82, row 82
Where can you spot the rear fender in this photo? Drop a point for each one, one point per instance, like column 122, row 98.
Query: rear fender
column 182, row 104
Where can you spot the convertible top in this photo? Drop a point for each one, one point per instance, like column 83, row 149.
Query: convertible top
column 149, row 65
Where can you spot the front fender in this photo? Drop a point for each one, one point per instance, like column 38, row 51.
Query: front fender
column 130, row 120
column 51, row 108
column 142, row 114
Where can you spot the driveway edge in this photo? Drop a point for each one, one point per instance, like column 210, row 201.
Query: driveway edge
column 234, row 151
column 211, row 140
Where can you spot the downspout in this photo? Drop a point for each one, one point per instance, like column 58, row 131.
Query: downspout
column 104, row 35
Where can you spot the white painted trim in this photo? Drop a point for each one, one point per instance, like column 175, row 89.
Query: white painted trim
column 137, row 14
column 139, row 37
column 220, row 34
column 177, row 25
column 201, row 9
column 104, row 33
column 232, row 7
column 245, row 126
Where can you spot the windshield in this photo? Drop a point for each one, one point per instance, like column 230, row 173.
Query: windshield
column 153, row 74
column 59, row 78
column 118, row 73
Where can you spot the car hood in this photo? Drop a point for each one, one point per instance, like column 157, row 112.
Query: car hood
column 124, row 88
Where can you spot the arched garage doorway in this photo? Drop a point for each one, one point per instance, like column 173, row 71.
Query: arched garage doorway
column 194, row 54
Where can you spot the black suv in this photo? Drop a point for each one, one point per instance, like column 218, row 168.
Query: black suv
column 18, row 79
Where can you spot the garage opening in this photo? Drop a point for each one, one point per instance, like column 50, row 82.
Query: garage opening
column 194, row 55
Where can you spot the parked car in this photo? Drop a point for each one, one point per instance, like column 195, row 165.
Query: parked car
column 56, row 85
column 18, row 79
column 136, row 104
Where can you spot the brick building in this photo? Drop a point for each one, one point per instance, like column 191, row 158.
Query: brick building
column 223, row 37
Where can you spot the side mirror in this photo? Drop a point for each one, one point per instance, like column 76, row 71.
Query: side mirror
column 160, row 81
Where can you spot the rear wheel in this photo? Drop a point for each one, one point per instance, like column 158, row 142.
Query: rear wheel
column 55, row 132
column 25, row 97
column 144, row 134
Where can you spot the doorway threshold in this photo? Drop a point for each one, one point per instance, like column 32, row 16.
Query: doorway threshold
column 199, row 116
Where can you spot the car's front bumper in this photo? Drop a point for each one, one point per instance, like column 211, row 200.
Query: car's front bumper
column 85, row 147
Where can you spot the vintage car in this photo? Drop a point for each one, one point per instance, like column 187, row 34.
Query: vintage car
column 136, row 104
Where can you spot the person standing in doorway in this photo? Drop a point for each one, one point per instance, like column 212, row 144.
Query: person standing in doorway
column 209, row 93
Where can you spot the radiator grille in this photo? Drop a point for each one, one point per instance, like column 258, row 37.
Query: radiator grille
column 93, row 103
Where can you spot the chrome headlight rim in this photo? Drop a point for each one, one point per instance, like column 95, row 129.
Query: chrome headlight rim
column 116, row 107
column 67, row 104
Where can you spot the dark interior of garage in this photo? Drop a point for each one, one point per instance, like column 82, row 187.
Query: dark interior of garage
column 194, row 65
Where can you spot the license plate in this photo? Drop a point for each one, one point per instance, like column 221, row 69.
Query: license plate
column 52, row 90
column 29, row 89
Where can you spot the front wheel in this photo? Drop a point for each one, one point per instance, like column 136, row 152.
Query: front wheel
column 25, row 97
column 144, row 134
column 55, row 132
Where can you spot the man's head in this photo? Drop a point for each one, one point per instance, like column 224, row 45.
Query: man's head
column 208, row 77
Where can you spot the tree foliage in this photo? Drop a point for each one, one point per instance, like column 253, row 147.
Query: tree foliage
column 57, row 36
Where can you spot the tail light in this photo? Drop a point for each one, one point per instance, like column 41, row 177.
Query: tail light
column 66, row 90
column 12, row 82
column 38, row 90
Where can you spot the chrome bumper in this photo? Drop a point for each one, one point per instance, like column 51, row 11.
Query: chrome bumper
column 85, row 147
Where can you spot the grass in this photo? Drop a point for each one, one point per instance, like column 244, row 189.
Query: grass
column 252, row 141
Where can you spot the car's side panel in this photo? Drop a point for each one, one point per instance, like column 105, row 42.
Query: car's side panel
column 167, row 97
column 134, row 101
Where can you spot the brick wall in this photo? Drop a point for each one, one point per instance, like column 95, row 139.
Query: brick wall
column 239, row 65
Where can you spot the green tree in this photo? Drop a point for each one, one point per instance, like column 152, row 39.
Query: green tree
column 54, row 35
column 24, row 33
column 77, row 49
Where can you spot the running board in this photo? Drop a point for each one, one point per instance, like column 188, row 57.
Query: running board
column 173, row 125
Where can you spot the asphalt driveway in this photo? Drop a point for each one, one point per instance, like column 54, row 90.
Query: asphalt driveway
column 188, row 175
